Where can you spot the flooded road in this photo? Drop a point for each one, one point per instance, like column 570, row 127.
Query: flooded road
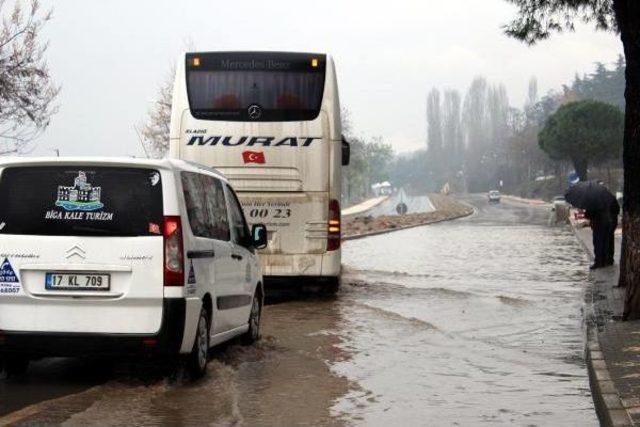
column 471, row 322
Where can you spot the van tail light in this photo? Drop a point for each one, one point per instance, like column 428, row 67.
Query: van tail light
column 173, row 252
column 333, row 235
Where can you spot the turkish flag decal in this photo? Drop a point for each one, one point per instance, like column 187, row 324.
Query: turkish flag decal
column 253, row 157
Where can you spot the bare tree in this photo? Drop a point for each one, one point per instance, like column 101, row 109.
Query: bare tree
column 154, row 133
column 476, row 131
column 347, row 123
column 27, row 92
column 452, row 130
column 434, row 136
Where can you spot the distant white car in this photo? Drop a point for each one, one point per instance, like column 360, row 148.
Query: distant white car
column 123, row 256
column 494, row 196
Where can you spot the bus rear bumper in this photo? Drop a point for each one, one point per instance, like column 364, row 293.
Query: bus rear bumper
column 302, row 265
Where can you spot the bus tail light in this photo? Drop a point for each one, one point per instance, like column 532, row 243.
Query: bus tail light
column 173, row 252
column 333, row 231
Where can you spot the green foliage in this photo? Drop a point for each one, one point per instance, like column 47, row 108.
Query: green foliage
column 584, row 132
column 538, row 19
column 370, row 163
column 410, row 171
column 604, row 84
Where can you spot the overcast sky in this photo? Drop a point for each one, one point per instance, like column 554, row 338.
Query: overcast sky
column 110, row 56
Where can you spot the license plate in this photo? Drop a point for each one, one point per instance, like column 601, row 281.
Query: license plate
column 77, row 281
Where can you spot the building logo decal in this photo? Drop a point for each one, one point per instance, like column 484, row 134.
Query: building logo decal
column 81, row 197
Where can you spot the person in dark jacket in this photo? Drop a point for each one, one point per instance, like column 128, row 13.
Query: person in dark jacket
column 604, row 222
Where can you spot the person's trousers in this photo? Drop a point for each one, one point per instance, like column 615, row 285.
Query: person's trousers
column 604, row 240
column 611, row 241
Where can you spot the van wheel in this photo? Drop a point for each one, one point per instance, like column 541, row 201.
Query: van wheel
column 199, row 357
column 253, row 334
column 15, row 365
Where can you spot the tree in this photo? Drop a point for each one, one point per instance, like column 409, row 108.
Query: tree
column 584, row 132
column 408, row 172
column 155, row 132
column 379, row 157
column 347, row 123
column 434, row 134
column 27, row 92
column 474, row 119
column 452, row 139
column 370, row 162
column 604, row 84
column 536, row 20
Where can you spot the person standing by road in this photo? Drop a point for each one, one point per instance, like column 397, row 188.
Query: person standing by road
column 602, row 210
column 600, row 222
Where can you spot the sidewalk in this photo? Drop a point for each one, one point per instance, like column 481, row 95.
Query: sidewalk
column 613, row 348
column 534, row 202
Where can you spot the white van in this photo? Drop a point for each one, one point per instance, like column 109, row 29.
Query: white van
column 104, row 256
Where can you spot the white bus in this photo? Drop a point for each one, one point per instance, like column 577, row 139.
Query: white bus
column 270, row 121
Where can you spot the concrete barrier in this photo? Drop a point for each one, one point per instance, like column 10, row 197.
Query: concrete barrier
column 363, row 207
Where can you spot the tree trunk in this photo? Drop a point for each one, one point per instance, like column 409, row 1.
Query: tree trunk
column 628, row 18
column 581, row 168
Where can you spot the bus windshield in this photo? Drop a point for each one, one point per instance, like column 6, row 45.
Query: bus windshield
column 255, row 86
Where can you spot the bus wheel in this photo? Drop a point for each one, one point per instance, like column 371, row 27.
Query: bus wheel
column 199, row 357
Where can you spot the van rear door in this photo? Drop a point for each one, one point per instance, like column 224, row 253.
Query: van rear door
column 81, row 249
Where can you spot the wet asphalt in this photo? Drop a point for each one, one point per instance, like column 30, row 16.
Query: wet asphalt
column 472, row 322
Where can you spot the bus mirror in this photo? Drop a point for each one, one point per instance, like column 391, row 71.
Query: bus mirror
column 259, row 236
column 346, row 152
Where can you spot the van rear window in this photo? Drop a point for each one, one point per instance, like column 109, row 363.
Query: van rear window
column 80, row 201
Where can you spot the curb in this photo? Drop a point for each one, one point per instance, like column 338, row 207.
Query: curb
column 610, row 408
column 406, row 227
column 378, row 203
column 533, row 202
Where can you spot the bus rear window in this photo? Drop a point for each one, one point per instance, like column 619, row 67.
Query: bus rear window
column 80, row 201
column 255, row 87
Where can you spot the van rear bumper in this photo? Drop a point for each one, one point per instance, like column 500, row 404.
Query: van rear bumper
column 167, row 340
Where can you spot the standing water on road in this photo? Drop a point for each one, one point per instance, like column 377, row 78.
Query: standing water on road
column 469, row 322
column 474, row 321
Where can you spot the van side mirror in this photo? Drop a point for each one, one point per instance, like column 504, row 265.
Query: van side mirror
column 346, row 152
column 259, row 236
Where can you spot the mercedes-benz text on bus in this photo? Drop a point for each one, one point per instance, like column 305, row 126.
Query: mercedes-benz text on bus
column 270, row 121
